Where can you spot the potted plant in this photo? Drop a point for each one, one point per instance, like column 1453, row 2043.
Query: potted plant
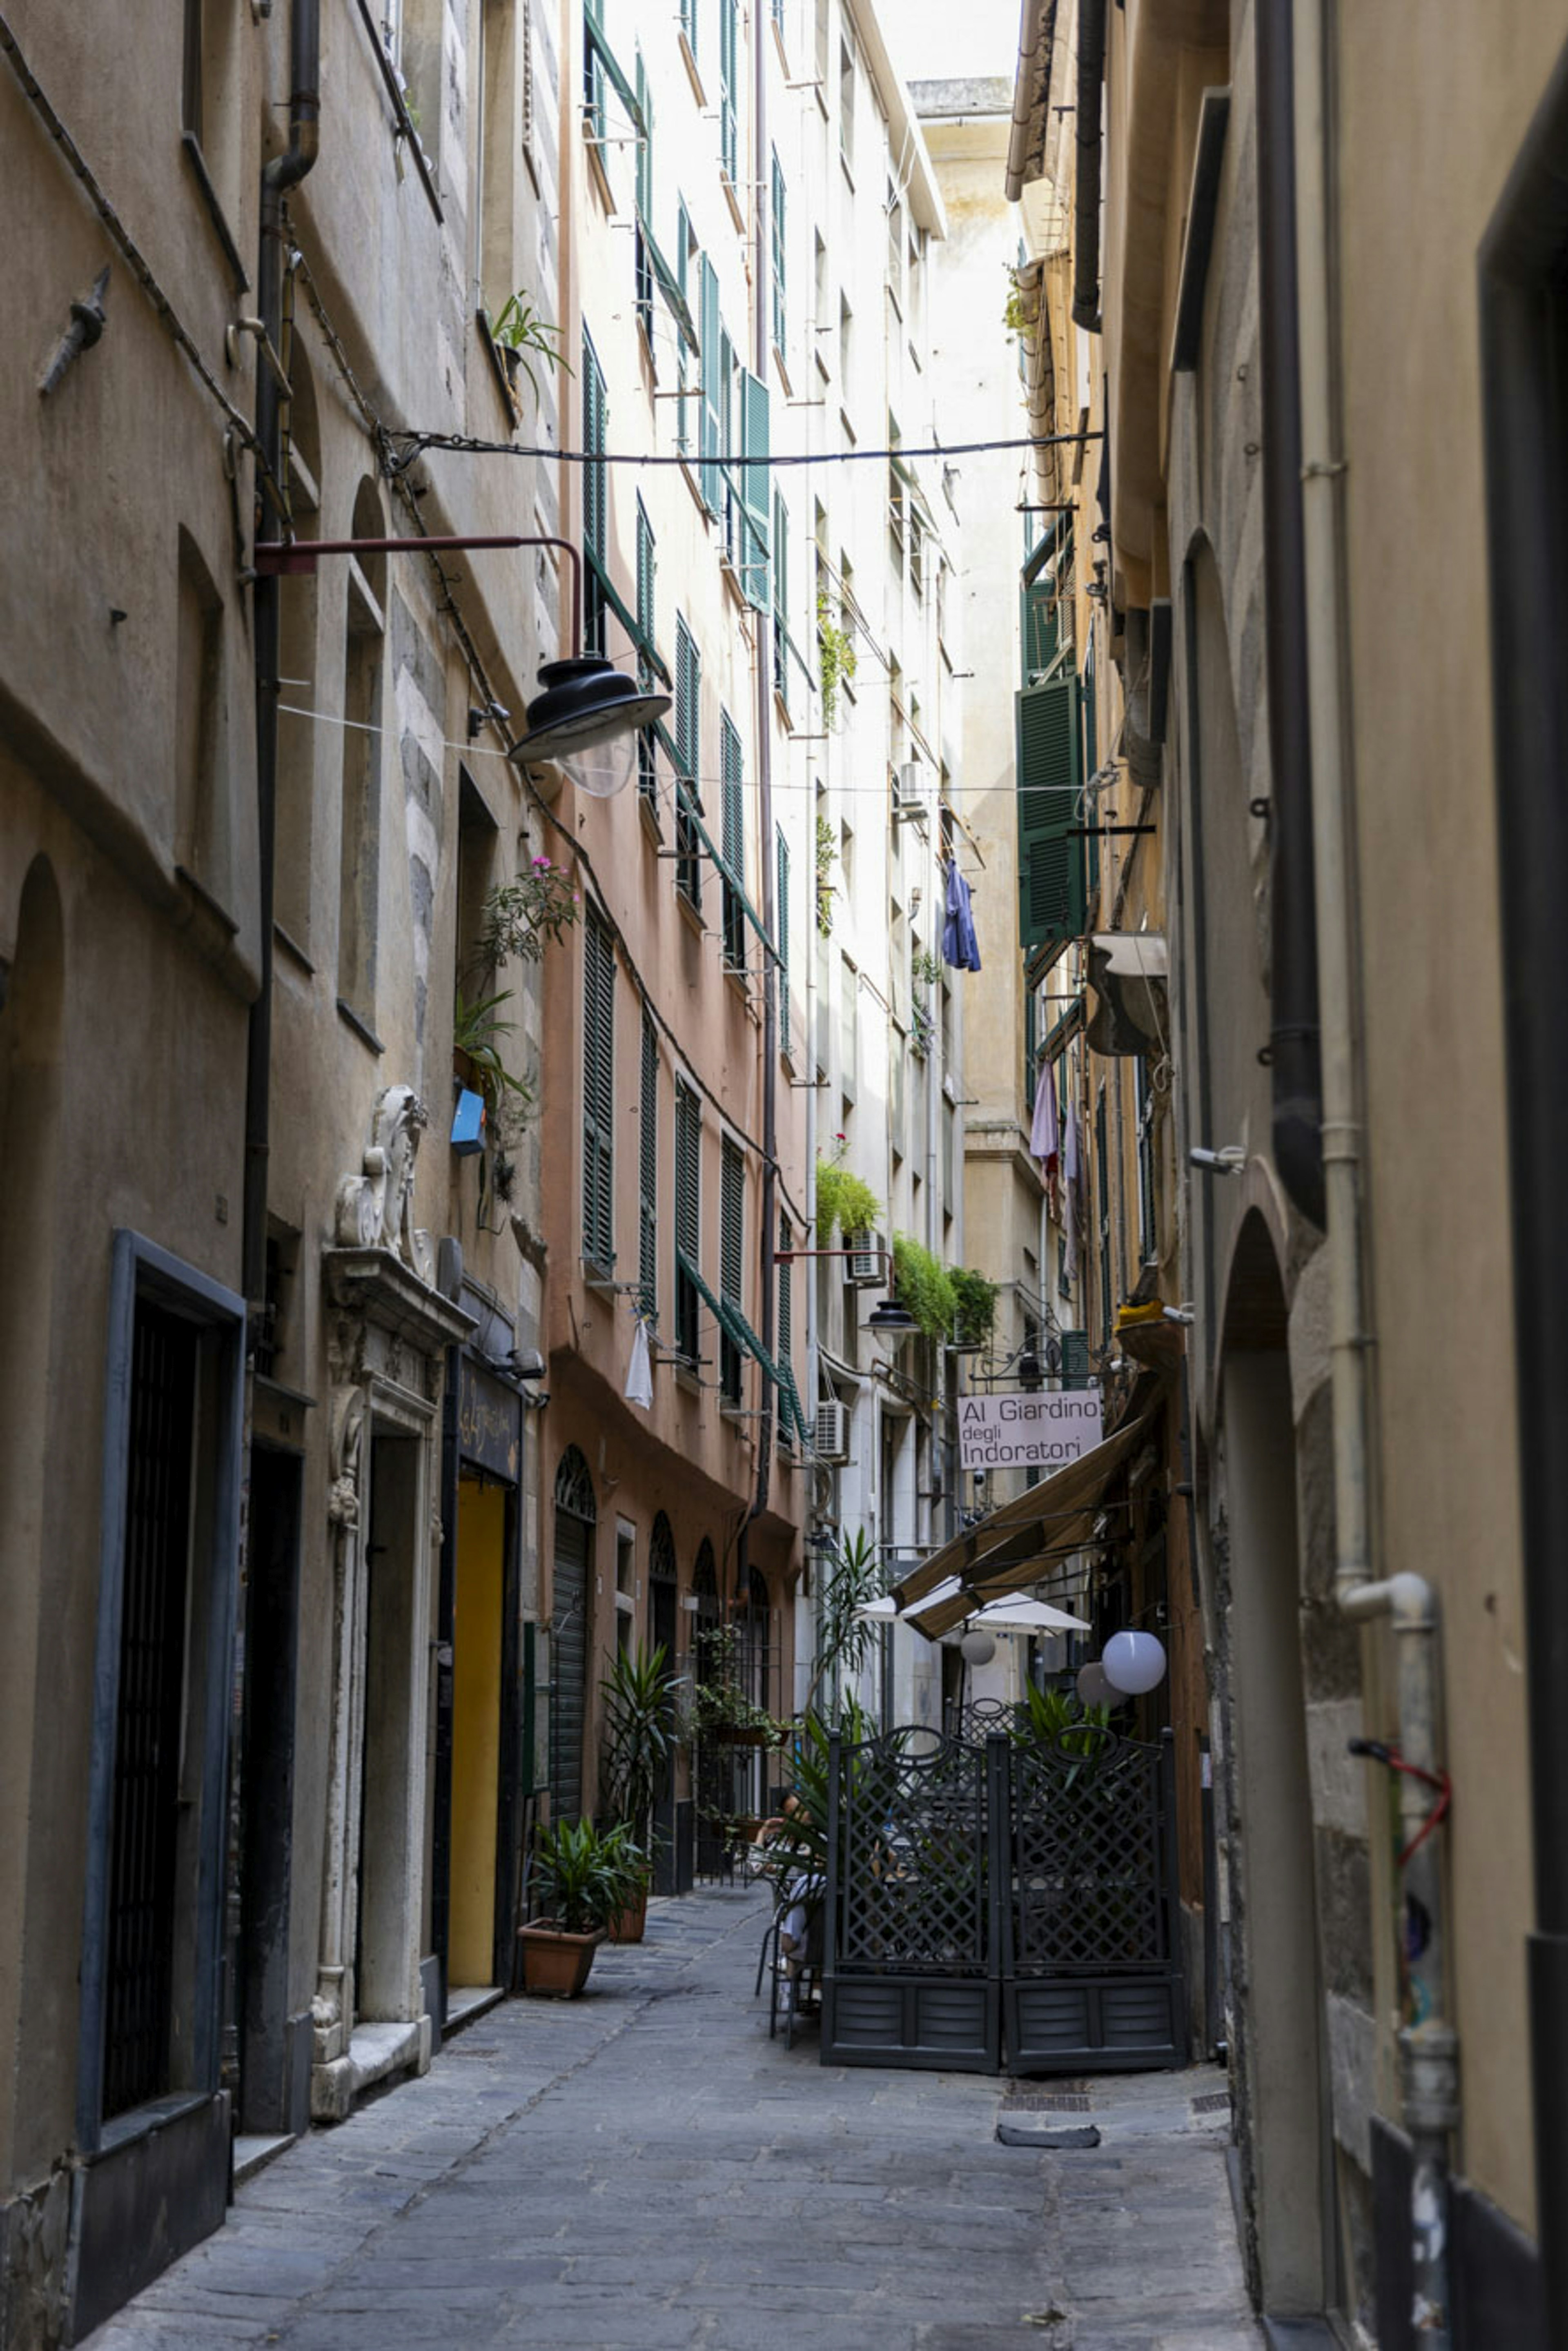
column 639, row 1738
column 721, row 1712
column 517, row 330
column 582, row 1876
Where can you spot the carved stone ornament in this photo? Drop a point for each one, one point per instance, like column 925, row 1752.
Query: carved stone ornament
column 375, row 1207
column 346, row 1431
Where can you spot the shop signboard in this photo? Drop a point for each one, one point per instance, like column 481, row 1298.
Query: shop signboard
column 1027, row 1431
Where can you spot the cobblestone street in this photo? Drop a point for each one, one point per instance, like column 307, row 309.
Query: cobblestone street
column 644, row 2168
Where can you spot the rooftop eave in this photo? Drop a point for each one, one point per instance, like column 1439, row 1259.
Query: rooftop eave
column 1031, row 96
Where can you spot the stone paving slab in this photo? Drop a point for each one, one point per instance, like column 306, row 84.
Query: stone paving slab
column 644, row 2170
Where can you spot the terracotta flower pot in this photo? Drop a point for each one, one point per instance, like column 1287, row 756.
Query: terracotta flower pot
column 556, row 1964
column 626, row 1926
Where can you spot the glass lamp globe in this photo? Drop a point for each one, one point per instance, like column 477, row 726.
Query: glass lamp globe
column 1092, row 1686
column 1133, row 1663
column 977, row 1648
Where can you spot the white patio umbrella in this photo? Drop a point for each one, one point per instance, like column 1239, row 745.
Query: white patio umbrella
column 1014, row 1612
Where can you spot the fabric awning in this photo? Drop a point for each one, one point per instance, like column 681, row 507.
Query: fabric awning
column 738, row 1331
column 1032, row 1531
column 1014, row 1611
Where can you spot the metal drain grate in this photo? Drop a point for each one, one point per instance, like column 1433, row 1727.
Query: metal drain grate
column 1047, row 2101
column 1213, row 2102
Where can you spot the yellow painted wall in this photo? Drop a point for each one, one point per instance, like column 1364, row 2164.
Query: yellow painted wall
column 475, row 1729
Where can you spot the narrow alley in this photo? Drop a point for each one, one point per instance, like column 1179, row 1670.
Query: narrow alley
column 644, row 2168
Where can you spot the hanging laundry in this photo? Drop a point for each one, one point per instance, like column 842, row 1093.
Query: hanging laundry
column 959, row 945
column 1045, row 1135
column 639, row 1388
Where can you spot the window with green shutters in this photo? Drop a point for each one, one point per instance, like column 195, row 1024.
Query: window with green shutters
column 644, row 197
column 728, row 79
column 714, row 390
column 593, row 74
column 648, row 1172
column 731, row 1260
column 781, row 273
column 598, row 1096
column 781, row 917
column 1051, row 895
column 647, row 770
column 688, row 1214
column 689, row 24
column 686, row 256
column 754, row 485
column 780, row 600
column 688, row 749
column 1076, row 1367
column 595, row 497
column 733, row 842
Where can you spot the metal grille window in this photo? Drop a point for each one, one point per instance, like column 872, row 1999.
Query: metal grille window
column 689, row 754
column 647, row 770
column 728, row 144
column 648, row 1173
column 731, row 1260
column 595, row 496
column 781, row 916
column 780, row 275
column 598, row 1096
column 688, row 1213
column 143, row 1848
column 734, row 843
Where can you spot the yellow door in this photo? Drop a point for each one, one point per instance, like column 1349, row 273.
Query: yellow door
column 475, row 1729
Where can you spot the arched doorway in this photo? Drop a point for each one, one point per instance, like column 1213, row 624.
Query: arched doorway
column 664, row 1619
column 576, row 1515
column 1286, row 2135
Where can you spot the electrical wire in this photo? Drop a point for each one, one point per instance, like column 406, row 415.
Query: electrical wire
column 468, row 444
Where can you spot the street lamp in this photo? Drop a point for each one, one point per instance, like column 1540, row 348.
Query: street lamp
column 584, row 702
column 890, row 1315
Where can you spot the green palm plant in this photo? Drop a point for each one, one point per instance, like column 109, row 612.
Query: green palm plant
column 639, row 1728
column 584, row 1875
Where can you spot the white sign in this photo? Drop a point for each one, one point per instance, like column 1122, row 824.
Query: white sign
column 1027, row 1432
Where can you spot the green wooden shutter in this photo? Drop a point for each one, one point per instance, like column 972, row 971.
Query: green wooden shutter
column 785, row 1351
column 648, row 1172
column 646, row 633
column 781, row 919
column 688, row 748
column 688, row 1213
column 1051, row 908
column 683, row 279
column 595, row 420
column 726, row 88
column 644, row 176
column 780, row 283
column 756, row 490
column 598, row 1095
column 780, row 600
column 689, row 24
column 731, row 1259
column 1075, row 1364
column 713, row 389
column 732, row 840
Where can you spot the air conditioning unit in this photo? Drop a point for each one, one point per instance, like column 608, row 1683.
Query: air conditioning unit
column 830, row 1432
column 865, row 1260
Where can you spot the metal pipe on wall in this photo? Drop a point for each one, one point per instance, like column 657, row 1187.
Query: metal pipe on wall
column 1428, row 2042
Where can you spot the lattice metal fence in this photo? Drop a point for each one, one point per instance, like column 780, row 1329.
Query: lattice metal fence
column 1010, row 1888
column 1091, row 1972
column 914, row 1972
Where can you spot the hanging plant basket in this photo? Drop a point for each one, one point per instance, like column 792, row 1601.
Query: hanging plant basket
column 738, row 1734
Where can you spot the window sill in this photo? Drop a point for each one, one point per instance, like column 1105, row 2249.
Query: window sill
column 648, row 810
column 361, row 1028
column 687, row 1379
column 140, row 2122
column 296, row 953
column 692, row 76
column 198, row 163
column 596, row 171
column 692, row 915
column 733, row 201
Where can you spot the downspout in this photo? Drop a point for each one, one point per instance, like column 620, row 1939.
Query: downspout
column 762, row 665
column 284, row 172
column 1428, row 2045
column 1086, row 200
column 1293, row 978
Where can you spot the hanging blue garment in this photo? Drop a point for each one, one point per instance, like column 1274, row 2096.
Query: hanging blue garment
column 960, row 948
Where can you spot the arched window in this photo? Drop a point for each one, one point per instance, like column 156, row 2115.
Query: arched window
column 755, row 1625
column 576, row 1514
column 574, row 1487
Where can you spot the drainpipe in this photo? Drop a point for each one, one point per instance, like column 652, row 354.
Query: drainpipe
column 284, row 172
column 762, row 665
column 1086, row 206
column 1294, row 982
column 1427, row 2043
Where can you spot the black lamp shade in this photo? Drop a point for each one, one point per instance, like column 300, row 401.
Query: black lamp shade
column 584, row 701
column 1030, row 1371
column 890, row 1316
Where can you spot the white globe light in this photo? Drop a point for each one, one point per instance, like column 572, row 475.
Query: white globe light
column 1133, row 1663
column 978, row 1648
column 1092, row 1686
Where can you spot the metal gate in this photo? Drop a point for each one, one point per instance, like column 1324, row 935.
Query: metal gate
column 1004, row 1891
